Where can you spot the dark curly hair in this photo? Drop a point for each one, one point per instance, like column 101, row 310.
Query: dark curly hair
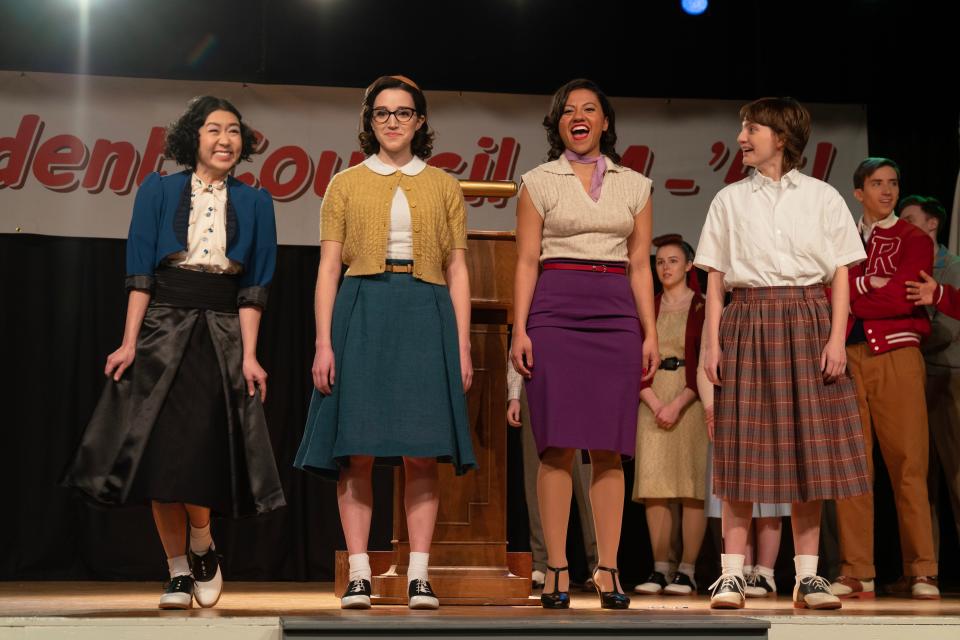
column 422, row 145
column 183, row 136
column 551, row 121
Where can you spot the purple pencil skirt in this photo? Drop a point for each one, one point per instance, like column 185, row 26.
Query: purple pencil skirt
column 588, row 361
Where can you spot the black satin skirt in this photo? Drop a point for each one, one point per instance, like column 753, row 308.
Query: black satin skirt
column 179, row 426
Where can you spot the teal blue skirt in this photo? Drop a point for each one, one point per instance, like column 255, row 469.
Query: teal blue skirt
column 398, row 391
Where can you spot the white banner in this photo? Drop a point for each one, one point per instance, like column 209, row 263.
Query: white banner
column 73, row 148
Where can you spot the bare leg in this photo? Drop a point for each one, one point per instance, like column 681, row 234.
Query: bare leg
column 197, row 515
column 736, row 525
column 355, row 498
column 751, row 543
column 659, row 522
column 171, row 521
column 805, row 520
column 768, row 540
column 554, row 490
column 694, row 527
column 606, row 496
column 421, row 501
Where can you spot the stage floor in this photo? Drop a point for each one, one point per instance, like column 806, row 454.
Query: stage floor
column 81, row 610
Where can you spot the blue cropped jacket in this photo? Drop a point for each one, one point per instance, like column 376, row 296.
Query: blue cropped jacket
column 161, row 215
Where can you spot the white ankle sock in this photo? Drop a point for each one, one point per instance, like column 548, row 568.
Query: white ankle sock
column 766, row 572
column 686, row 569
column 747, row 569
column 418, row 566
column 662, row 567
column 178, row 566
column 200, row 539
column 806, row 565
column 731, row 563
column 359, row 566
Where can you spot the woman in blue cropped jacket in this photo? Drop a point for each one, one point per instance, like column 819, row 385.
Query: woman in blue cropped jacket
column 180, row 424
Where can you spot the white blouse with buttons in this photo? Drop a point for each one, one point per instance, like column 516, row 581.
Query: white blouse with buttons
column 400, row 238
column 207, row 232
column 765, row 233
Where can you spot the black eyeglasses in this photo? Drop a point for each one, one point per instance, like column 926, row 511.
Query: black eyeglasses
column 403, row 114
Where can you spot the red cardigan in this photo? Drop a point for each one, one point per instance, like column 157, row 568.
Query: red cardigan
column 691, row 339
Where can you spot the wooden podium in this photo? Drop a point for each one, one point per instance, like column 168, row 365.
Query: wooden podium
column 469, row 562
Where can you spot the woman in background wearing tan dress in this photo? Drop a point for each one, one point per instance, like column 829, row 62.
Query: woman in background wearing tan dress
column 672, row 438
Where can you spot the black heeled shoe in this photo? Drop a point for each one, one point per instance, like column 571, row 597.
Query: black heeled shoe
column 615, row 599
column 558, row 599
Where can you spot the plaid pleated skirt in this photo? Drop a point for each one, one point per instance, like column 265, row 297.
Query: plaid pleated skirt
column 782, row 433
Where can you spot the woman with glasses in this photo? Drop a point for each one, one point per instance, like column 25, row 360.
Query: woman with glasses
column 584, row 333
column 392, row 362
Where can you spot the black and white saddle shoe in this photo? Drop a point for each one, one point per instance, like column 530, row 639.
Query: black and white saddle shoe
column 727, row 592
column 357, row 595
column 759, row 586
column 813, row 592
column 681, row 585
column 652, row 586
column 208, row 580
column 178, row 593
column 421, row 595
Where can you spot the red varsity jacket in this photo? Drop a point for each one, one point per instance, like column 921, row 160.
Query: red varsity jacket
column 890, row 321
column 947, row 300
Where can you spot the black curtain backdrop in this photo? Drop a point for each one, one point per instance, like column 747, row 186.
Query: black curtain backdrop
column 63, row 307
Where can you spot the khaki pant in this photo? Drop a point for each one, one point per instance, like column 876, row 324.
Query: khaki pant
column 893, row 410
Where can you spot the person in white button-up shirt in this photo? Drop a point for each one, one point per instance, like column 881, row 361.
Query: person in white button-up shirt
column 786, row 427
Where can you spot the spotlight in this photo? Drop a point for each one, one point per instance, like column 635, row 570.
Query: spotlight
column 694, row 7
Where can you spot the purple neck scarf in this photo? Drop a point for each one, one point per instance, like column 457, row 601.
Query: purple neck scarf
column 596, row 182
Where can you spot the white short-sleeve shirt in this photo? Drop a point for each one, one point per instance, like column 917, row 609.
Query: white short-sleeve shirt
column 765, row 233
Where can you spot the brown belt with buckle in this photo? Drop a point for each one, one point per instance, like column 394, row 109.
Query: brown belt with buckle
column 399, row 268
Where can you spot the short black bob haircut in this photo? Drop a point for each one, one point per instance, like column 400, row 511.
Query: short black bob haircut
column 183, row 136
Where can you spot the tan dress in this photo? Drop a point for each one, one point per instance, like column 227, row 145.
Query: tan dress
column 671, row 463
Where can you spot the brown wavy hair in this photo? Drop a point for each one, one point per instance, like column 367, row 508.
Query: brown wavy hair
column 677, row 240
column 789, row 119
column 422, row 144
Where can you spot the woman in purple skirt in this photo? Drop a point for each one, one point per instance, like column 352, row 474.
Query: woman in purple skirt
column 584, row 333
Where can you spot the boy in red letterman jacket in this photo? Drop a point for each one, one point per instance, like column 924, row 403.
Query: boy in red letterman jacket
column 883, row 356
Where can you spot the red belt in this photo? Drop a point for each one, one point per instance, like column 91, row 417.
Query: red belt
column 598, row 268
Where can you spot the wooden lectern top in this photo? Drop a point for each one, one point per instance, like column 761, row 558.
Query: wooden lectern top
column 491, row 260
